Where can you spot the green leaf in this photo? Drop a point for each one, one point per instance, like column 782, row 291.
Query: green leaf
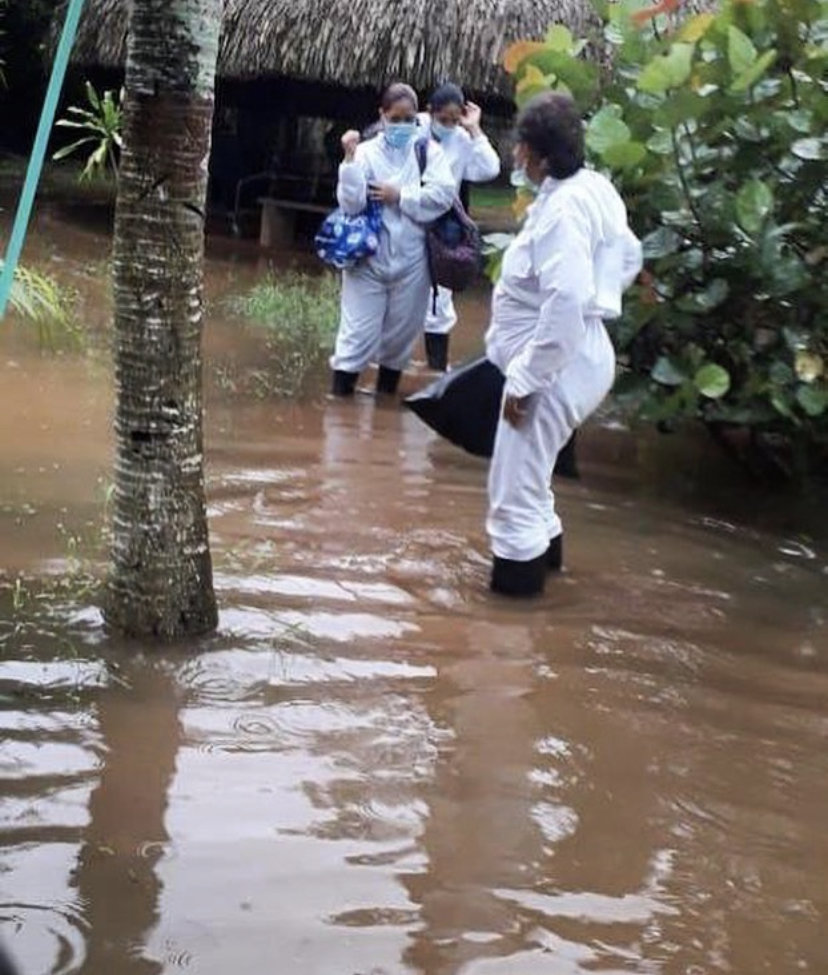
column 808, row 149
column 748, row 78
column 92, row 96
column 660, row 243
column 712, row 380
column 707, row 299
column 754, row 202
column 624, row 155
column 781, row 402
column 812, row 399
column 667, row 71
column 667, row 373
column 741, row 52
column 799, row 119
column 661, row 143
column 780, row 373
column 559, row 38
column 68, row 150
column 606, row 129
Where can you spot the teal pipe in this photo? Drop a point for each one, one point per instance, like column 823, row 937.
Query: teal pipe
column 44, row 128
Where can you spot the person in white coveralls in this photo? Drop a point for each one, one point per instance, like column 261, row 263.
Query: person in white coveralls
column 562, row 277
column 384, row 298
column 455, row 124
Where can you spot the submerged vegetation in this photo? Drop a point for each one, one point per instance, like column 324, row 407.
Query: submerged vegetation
column 298, row 316
column 42, row 302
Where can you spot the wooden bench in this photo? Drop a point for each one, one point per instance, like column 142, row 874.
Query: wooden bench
column 279, row 220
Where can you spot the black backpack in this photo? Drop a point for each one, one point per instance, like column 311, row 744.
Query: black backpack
column 453, row 244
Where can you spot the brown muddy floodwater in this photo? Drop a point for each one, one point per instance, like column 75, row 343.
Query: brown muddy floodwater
column 374, row 768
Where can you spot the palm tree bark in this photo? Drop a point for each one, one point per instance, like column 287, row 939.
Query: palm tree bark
column 160, row 582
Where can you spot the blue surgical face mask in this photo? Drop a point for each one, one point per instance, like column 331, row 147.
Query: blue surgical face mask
column 442, row 133
column 521, row 181
column 399, row 134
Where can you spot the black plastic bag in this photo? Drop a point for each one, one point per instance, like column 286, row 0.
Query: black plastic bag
column 464, row 406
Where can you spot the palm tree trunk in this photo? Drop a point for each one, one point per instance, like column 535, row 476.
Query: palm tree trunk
column 161, row 581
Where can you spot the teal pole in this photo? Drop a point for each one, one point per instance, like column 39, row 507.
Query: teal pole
column 47, row 119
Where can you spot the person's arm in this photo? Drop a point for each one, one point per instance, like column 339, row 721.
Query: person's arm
column 433, row 195
column 562, row 258
column 482, row 161
column 352, row 187
column 633, row 259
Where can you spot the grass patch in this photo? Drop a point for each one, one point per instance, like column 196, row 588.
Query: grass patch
column 298, row 315
column 47, row 306
column 489, row 197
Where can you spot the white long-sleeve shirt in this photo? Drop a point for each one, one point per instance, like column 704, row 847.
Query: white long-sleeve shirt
column 422, row 200
column 572, row 260
column 471, row 158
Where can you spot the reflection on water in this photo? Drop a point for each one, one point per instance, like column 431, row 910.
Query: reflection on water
column 376, row 769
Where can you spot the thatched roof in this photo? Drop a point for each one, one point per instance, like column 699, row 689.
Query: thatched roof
column 355, row 43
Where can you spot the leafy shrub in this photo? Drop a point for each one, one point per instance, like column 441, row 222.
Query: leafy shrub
column 713, row 128
column 103, row 123
column 39, row 300
column 299, row 315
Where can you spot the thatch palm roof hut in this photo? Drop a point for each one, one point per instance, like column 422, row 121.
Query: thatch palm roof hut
column 355, row 43
column 287, row 65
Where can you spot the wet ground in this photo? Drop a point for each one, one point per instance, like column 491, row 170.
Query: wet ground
column 375, row 768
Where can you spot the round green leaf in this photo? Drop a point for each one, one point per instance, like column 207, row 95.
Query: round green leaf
column 624, row 155
column 606, row 129
column 667, row 71
column 754, row 202
column 660, row 243
column 808, row 149
column 812, row 399
column 559, row 38
column 661, row 143
column 712, row 380
column 667, row 373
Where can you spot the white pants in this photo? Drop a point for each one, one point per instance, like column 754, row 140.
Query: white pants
column 522, row 518
column 381, row 316
column 443, row 320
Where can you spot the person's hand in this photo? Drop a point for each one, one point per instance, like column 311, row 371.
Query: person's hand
column 384, row 193
column 516, row 410
column 350, row 141
column 470, row 119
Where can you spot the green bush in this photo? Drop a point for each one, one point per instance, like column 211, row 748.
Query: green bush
column 102, row 125
column 299, row 315
column 40, row 301
column 713, row 128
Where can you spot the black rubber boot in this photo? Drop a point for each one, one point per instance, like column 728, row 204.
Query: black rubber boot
column 521, row 579
column 554, row 554
column 388, row 380
column 566, row 464
column 343, row 383
column 436, row 349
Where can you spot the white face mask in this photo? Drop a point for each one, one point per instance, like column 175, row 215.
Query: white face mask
column 442, row 133
column 521, row 181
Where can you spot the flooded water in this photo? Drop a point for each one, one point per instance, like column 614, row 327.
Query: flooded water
column 374, row 767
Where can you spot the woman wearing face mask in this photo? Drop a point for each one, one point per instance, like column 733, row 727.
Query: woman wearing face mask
column 562, row 276
column 455, row 124
column 384, row 298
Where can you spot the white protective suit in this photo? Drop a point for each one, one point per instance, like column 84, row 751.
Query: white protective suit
column 562, row 276
column 384, row 298
column 476, row 161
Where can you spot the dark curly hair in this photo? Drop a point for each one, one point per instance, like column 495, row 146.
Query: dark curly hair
column 551, row 126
